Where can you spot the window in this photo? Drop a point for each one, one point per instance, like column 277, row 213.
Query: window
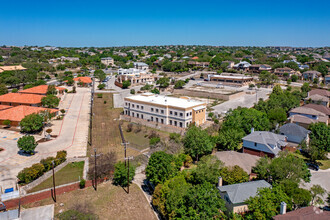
column 187, row 124
column 175, row 123
column 180, row 124
column 181, row 114
column 141, row 116
column 137, row 106
column 162, row 121
column 142, row 107
column 152, row 118
column 162, row 111
column 190, row 113
column 156, row 110
column 255, row 144
column 170, row 122
column 132, row 114
column 156, row 119
column 125, row 103
column 132, row 105
column 175, row 113
column 171, row 113
column 187, row 114
column 137, row 115
column 152, row 109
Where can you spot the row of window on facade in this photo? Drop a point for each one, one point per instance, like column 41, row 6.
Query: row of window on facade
column 161, row 111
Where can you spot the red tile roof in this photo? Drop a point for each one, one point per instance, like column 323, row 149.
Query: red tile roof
column 194, row 58
column 83, row 79
column 42, row 89
column 19, row 112
column 3, row 107
column 21, row 98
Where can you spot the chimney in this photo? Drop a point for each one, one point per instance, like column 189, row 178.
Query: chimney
column 283, row 208
column 252, row 130
column 219, row 181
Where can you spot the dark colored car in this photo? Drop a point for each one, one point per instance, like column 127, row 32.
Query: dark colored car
column 313, row 166
column 192, row 78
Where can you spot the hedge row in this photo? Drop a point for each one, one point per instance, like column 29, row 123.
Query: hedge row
column 29, row 174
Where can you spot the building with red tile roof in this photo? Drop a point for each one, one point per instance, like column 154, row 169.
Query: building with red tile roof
column 194, row 58
column 85, row 80
column 3, row 107
column 40, row 90
column 15, row 99
column 16, row 114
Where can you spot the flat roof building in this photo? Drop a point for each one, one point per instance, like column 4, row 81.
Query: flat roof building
column 231, row 79
column 179, row 112
column 108, row 61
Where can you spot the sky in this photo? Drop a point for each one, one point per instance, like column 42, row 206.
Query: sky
column 83, row 23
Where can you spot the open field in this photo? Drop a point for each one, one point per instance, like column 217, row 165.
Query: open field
column 105, row 134
column 108, row 202
column 69, row 173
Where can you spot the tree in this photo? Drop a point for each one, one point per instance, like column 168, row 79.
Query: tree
column 120, row 174
column 100, row 75
column 277, row 115
column 132, row 91
column 163, row 82
column 179, row 84
column 207, row 170
column 3, row 89
column 155, row 91
column 27, row 144
column 317, row 193
column 243, row 119
column 277, row 90
column 101, row 86
column 50, row 101
column 267, row 203
column 320, row 136
column 161, row 166
column 70, row 81
column 31, row 123
column 105, row 165
column 233, row 175
column 285, row 167
column 267, row 78
column 197, row 142
column 305, row 87
column 229, row 139
column 126, row 84
column 294, row 78
column 51, row 90
column 300, row 197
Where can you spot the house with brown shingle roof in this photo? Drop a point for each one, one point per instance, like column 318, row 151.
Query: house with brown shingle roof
column 15, row 99
column 305, row 213
column 318, row 99
column 304, row 116
column 311, row 75
column 322, row 92
column 16, row 114
column 282, row 71
column 320, row 108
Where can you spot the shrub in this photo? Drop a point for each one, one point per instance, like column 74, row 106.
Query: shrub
column 154, row 140
column 129, row 127
column 29, row 174
column 27, row 144
column 6, row 122
column 62, row 111
column 101, row 86
column 60, row 157
column 176, row 137
column 105, row 102
column 120, row 175
column 14, row 90
column 132, row 91
column 99, row 95
column 82, row 183
column 47, row 163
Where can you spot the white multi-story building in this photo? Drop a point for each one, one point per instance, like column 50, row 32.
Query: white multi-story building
column 179, row 112
column 108, row 61
column 130, row 71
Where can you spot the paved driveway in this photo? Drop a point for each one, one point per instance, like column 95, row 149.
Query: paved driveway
column 72, row 138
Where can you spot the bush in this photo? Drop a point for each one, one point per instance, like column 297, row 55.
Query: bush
column 129, row 127
column 126, row 84
column 104, row 102
column 99, row 95
column 154, row 140
column 29, row 174
column 14, row 90
column 176, row 137
column 62, row 111
column 60, row 157
column 82, row 183
column 27, row 144
column 132, row 91
column 120, row 175
column 47, row 163
column 6, row 122
column 155, row 91
column 101, row 86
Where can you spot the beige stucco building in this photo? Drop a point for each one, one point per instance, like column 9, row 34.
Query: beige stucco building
column 179, row 112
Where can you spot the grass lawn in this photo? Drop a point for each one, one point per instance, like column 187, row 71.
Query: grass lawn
column 69, row 173
column 108, row 202
column 325, row 164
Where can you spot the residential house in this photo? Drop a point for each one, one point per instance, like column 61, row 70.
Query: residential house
column 199, row 64
column 16, row 114
column 15, row 99
column 263, row 143
column 84, row 80
column 235, row 195
column 257, row 68
column 322, row 92
column 141, row 66
column 305, row 213
column 230, row 64
column 294, row 133
column 327, row 79
column 108, row 61
column 320, row 108
column 304, row 116
column 311, row 75
column 282, row 71
column 318, row 99
column 178, row 112
column 244, row 66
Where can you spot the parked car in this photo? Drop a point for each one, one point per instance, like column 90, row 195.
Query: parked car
column 192, row 78
column 313, row 166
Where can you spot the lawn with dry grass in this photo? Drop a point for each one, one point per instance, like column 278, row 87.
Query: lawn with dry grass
column 108, row 202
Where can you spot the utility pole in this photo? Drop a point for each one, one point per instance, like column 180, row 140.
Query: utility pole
column 91, row 117
column 52, row 191
column 123, row 142
column 128, row 158
column 95, row 172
